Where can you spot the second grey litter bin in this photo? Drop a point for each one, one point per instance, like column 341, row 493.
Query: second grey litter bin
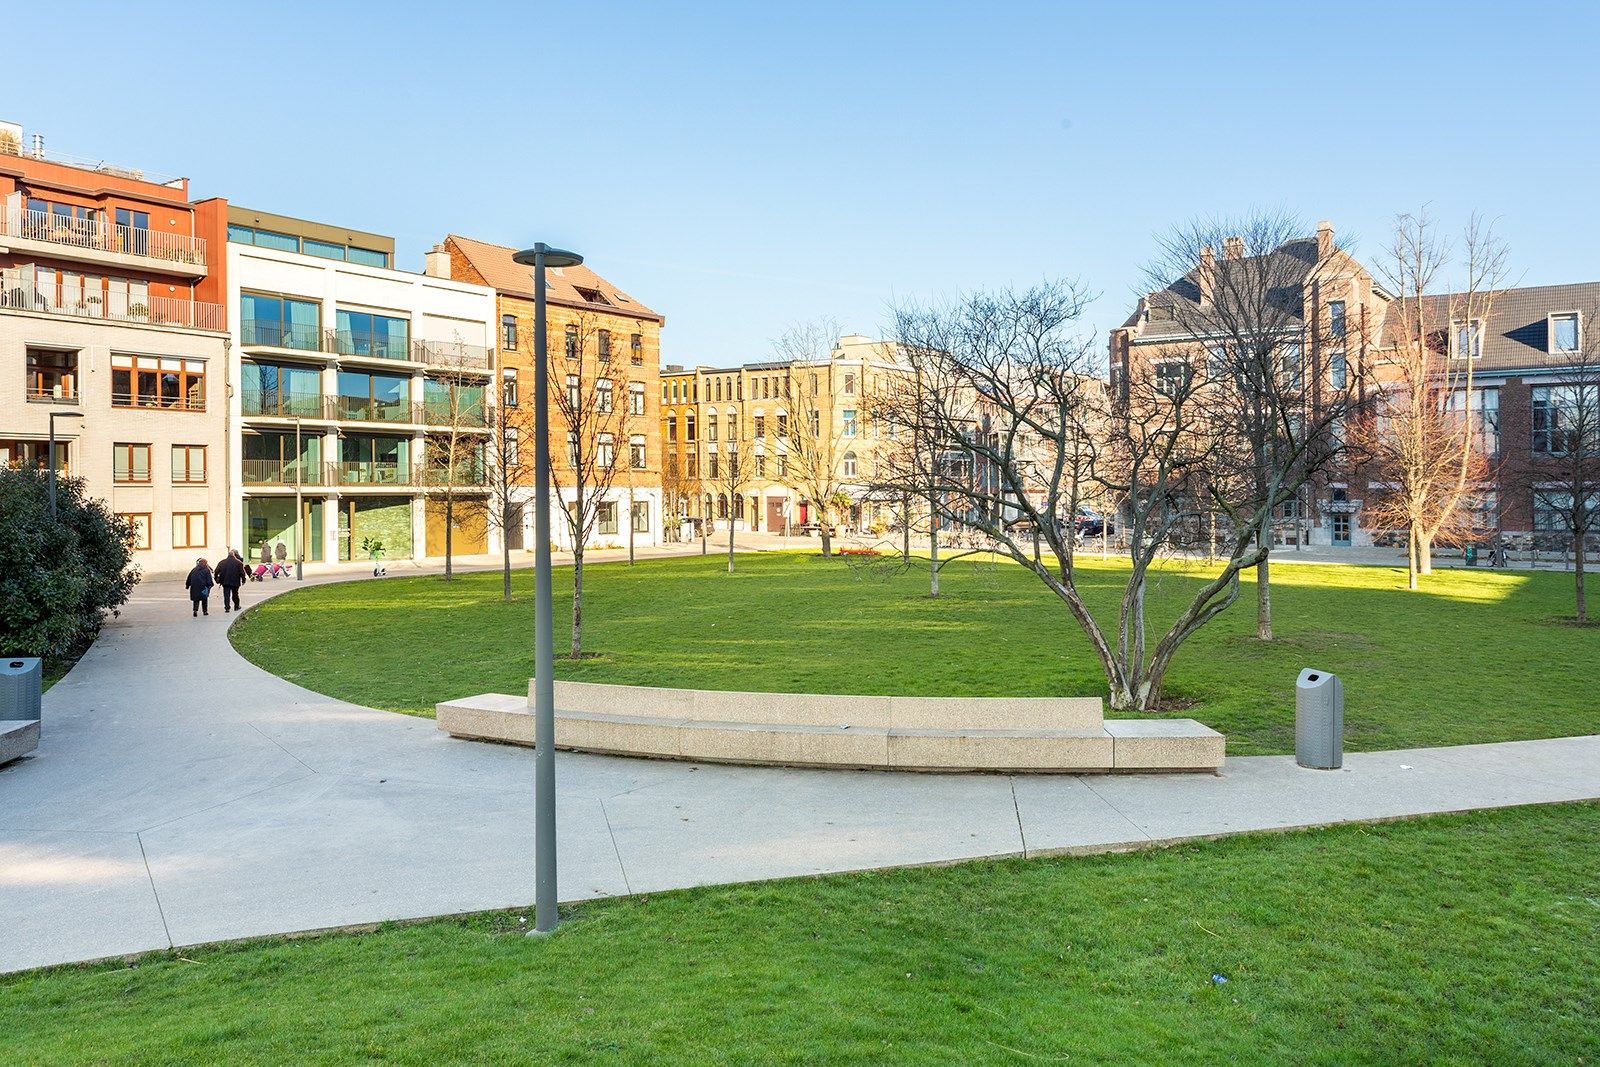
column 21, row 681
column 1319, row 720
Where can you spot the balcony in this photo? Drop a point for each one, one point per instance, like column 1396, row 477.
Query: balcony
column 452, row 355
column 283, row 472
column 468, row 417
column 274, row 333
column 367, row 345
column 19, row 293
column 153, row 402
column 468, row 476
column 52, row 395
column 95, row 241
column 361, row 409
column 285, row 406
column 362, row 472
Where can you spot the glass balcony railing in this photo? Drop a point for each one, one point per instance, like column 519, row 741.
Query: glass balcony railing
column 438, row 413
column 362, row 472
column 273, row 333
column 362, row 409
column 284, row 405
column 370, row 344
column 282, row 472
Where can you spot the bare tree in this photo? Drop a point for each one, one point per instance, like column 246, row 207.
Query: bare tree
column 1567, row 492
column 1238, row 307
column 1015, row 357
column 510, row 467
column 680, row 491
column 454, row 410
column 1426, row 455
column 589, row 387
column 813, row 440
column 730, row 470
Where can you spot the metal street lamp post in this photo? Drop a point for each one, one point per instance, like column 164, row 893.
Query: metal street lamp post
column 539, row 257
column 299, row 506
column 50, row 459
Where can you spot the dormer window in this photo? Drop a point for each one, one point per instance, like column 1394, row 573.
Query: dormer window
column 1466, row 337
column 1564, row 332
column 593, row 296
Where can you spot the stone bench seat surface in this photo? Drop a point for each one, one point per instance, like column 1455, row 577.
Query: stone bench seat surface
column 813, row 709
column 1117, row 745
column 18, row 737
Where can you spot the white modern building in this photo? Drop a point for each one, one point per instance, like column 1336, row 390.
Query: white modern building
column 364, row 392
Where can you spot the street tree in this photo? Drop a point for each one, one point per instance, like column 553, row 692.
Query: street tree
column 510, row 468
column 730, row 470
column 811, row 437
column 1567, row 493
column 455, row 411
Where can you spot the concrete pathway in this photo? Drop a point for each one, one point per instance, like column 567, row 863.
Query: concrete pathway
column 182, row 795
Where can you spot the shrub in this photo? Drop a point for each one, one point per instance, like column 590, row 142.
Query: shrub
column 58, row 579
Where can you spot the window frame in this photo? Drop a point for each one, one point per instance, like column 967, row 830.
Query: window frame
column 187, row 475
column 148, row 527
column 1577, row 333
column 189, row 518
column 508, row 333
column 132, row 448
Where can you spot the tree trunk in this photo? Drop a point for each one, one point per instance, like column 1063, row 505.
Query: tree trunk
column 1264, row 600
column 1424, row 554
column 449, row 526
column 630, row 523
column 577, row 602
column 1579, row 554
column 730, row 544
column 933, row 555
column 827, row 542
column 1411, row 558
column 505, row 550
column 905, row 518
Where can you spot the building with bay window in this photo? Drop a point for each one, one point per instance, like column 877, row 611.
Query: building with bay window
column 364, row 393
column 112, row 314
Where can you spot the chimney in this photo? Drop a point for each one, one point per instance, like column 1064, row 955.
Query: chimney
column 1233, row 247
column 1324, row 239
column 1208, row 274
column 38, row 146
column 436, row 262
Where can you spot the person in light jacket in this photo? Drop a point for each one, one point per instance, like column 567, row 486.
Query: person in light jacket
column 199, row 584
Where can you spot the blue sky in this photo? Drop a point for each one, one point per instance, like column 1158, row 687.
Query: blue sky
column 741, row 167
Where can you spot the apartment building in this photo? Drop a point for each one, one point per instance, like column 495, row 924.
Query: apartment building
column 706, row 412
column 1521, row 401
column 112, row 320
column 364, row 394
column 605, row 352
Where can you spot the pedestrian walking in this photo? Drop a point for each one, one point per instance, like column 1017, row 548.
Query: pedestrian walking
column 199, row 584
column 231, row 574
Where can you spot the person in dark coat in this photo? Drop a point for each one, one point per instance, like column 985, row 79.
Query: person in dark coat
column 199, row 584
column 231, row 574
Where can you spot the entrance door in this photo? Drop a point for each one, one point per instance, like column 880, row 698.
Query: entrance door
column 514, row 526
column 774, row 514
column 1341, row 519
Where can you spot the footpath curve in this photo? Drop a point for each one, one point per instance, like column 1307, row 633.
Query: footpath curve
column 181, row 795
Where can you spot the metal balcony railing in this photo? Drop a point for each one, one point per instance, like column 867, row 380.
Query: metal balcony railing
column 51, row 395
column 97, row 235
column 274, row 333
column 366, row 343
column 284, row 406
column 283, row 472
column 467, row 476
column 361, row 409
column 154, row 402
column 19, row 293
column 361, row 472
column 473, row 416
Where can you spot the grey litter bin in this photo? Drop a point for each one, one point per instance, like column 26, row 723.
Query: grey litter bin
column 1319, row 720
column 21, row 682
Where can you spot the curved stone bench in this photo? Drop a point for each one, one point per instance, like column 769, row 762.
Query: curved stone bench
column 1059, row 734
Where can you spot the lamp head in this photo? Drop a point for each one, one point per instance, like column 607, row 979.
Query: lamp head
column 553, row 257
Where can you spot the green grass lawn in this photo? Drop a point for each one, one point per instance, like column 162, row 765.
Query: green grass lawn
column 1454, row 939
column 1480, row 656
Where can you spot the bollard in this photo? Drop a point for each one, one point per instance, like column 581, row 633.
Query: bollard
column 1319, row 720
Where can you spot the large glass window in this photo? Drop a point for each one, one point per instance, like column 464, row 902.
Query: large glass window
column 280, row 322
column 271, row 459
column 275, row 389
column 365, row 460
column 270, row 521
column 1564, row 332
column 1336, row 327
column 374, row 397
column 52, row 376
column 323, row 249
column 368, row 257
column 364, row 334
column 1485, row 414
column 1556, row 417
column 453, row 403
column 606, row 517
column 158, row 382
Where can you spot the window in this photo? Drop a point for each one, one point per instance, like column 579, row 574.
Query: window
column 367, row 257
column 508, row 387
column 816, row 422
column 508, row 332
column 711, row 464
column 1173, row 378
column 323, row 249
column 672, row 427
column 188, row 529
column 382, row 336
column 133, row 231
column 593, row 296
column 572, row 450
column 606, row 451
column 688, row 427
column 849, row 422
column 711, row 427
column 783, row 466
column 636, row 456
column 1336, row 319
column 641, row 517
column 1485, row 414
column 692, row 468
column 188, row 463
column 158, row 382
column 1553, row 509
column 248, row 235
column 603, row 388
column 722, row 504
column 636, row 398
column 1557, row 416
column 814, row 385
column 52, row 376
column 603, row 340
column 139, row 529
column 636, row 349
column 761, row 466
column 606, row 517
column 1564, row 332
column 511, row 449
column 574, row 394
column 130, row 464
column 572, row 342
column 271, row 389
column 1467, row 336
column 733, row 427
column 849, row 464
column 783, row 425
column 719, row 388
column 849, row 383
column 1338, row 371
column 1216, row 362
column 761, row 426
column 280, row 322
column 379, row 397
column 1292, row 365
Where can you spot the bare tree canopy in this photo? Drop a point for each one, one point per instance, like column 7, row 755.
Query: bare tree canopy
column 811, row 440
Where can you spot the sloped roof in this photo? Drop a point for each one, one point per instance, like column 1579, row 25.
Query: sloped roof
column 1517, row 334
column 563, row 284
column 1288, row 266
